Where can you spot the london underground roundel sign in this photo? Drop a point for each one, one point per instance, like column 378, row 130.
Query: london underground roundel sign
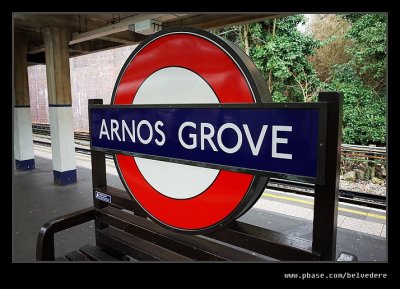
column 188, row 66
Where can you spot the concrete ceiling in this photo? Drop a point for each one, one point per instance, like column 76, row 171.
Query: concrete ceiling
column 94, row 32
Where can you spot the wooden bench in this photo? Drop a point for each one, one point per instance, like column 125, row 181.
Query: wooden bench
column 123, row 233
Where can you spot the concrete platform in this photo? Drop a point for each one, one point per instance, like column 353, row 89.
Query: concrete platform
column 36, row 200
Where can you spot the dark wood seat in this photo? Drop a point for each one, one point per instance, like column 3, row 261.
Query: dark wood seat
column 125, row 234
column 90, row 253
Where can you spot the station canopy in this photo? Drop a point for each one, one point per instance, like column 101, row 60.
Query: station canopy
column 95, row 32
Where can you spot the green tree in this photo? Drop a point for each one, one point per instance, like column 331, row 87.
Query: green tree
column 368, row 51
column 351, row 58
column 363, row 80
column 364, row 113
column 280, row 51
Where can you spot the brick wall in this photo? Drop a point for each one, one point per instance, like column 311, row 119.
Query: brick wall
column 92, row 76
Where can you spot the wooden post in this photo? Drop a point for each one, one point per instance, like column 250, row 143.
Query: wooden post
column 56, row 42
column 98, row 158
column 21, row 86
column 99, row 174
column 327, row 195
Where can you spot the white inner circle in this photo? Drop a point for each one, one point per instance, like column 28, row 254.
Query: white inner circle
column 166, row 86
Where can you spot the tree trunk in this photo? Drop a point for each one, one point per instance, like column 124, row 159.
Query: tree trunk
column 246, row 29
column 270, row 72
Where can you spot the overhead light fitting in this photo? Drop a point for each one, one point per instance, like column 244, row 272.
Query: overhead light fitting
column 146, row 27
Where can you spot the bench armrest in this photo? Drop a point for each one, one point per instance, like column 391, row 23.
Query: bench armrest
column 45, row 240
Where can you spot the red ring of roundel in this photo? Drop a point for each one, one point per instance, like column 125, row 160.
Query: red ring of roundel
column 207, row 60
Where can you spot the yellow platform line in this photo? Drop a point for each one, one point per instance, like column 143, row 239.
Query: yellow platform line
column 288, row 199
column 312, row 203
column 363, row 213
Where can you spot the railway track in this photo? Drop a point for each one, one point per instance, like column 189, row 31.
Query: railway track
column 44, row 129
column 353, row 197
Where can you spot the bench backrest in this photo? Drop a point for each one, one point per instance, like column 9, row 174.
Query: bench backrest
column 248, row 237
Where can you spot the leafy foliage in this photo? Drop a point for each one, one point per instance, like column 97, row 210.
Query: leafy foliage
column 363, row 80
column 368, row 32
column 364, row 112
column 284, row 56
column 351, row 59
column 280, row 52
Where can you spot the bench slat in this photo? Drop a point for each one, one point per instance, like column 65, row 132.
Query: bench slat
column 137, row 248
column 122, row 199
column 263, row 241
column 96, row 254
column 112, row 251
column 194, row 247
column 76, row 256
column 266, row 242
